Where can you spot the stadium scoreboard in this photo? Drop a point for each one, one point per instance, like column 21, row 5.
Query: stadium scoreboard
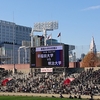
column 49, row 56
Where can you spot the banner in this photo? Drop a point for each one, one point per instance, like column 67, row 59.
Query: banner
column 46, row 69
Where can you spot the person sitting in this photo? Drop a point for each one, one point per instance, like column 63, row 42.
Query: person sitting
column 70, row 96
column 61, row 96
column 75, row 96
column 79, row 97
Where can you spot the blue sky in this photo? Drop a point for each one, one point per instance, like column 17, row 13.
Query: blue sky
column 78, row 20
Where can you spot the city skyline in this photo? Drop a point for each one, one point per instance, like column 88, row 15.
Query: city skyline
column 78, row 20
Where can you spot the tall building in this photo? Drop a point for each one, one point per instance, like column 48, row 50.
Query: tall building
column 93, row 46
column 11, row 37
column 38, row 40
column 82, row 56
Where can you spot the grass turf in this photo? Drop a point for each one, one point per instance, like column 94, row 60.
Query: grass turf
column 32, row 98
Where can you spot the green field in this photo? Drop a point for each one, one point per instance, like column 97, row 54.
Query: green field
column 31, row 98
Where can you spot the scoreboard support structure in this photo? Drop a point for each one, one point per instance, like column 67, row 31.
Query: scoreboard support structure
column 55, row 56
column 56, row 70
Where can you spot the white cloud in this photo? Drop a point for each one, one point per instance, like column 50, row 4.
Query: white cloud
column 92, row 8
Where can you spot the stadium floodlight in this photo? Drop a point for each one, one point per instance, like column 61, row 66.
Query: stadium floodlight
column 43, row 27
column 46, row 25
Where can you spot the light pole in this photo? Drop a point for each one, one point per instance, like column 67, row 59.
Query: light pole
column 25, row 56
column 26, row 53
column 19, row 53
column 43, row 27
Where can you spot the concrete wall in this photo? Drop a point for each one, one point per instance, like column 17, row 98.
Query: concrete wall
column 95, row 68
column 74, row 65
column 25, row 68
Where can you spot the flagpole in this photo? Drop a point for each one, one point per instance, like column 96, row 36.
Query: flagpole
column 42, row 40
column 60, row 38
column 59, row 35
column 51, row 38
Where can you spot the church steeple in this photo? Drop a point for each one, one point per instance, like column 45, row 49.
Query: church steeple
column 93, row 46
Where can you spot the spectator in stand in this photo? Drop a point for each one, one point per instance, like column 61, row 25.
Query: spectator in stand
column 82, row 84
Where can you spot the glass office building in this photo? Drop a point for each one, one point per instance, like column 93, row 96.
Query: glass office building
column 11, row 37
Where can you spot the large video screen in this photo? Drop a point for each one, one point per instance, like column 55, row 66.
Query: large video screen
column 47, row 56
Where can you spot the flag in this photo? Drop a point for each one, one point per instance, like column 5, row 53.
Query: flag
column 59, row 35
column 50, row 36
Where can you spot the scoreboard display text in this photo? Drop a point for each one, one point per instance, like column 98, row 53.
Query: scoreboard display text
column 47, row 56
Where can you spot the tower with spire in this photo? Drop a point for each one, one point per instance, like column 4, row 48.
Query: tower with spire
column 93, row 46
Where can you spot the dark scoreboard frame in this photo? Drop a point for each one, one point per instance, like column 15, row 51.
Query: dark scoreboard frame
column 49, row 56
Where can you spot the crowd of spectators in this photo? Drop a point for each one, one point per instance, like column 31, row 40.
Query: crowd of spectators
column 3, row 73
column 86, row 82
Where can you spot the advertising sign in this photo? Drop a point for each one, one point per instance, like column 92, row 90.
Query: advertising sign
column 46, row 69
